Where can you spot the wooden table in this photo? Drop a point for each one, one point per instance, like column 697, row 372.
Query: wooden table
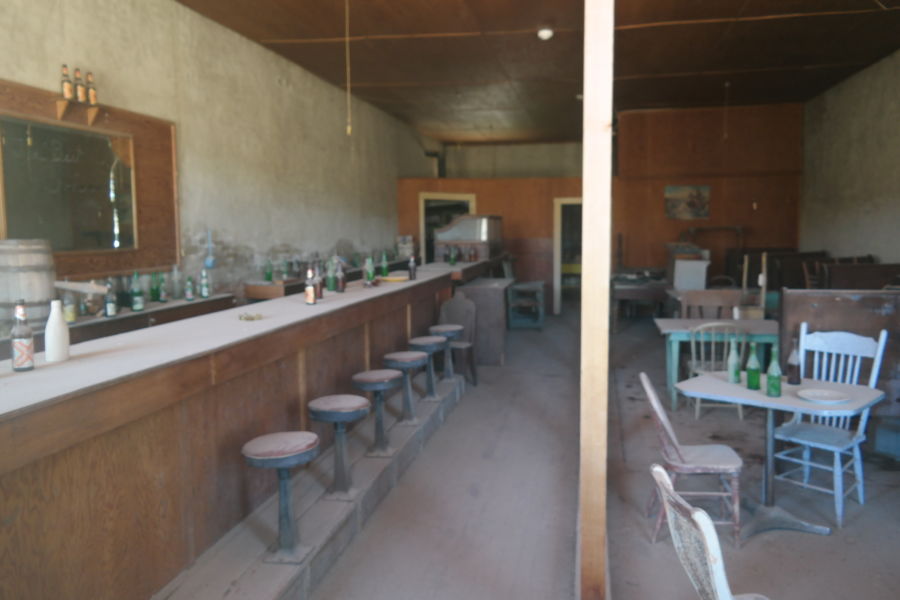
column 489, row 296
column 761, row 331
column 715, row 387
column 650, row 292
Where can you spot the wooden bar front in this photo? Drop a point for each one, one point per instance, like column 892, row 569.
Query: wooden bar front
column 111, row 490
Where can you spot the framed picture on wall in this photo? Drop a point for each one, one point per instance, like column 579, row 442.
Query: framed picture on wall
column 687, row 202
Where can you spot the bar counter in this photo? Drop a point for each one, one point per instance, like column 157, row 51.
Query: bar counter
column 121, row 465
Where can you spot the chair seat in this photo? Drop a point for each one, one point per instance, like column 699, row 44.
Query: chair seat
column 715, row 458
column 414, row 357
column 818, row 436
column 340, row 403
column 750, row 597
column 460, row 345
column 283, row 444
column 445, row 328
column 429, row 343
column 377, row 376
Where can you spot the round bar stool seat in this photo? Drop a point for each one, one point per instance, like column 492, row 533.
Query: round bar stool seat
column 282, row 451
column 378, row 381
column 340, row 409
column 451, row 332
column 406, row 362
column 429, row 344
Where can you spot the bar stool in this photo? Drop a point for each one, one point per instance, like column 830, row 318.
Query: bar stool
column 429, row 344
column 451, row 332
column 377, row 381
column 340, row 409
column 283, row 451
column 406, row 362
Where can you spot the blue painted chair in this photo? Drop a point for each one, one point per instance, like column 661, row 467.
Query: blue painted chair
column 340, row 409
column 836, row 356
column 379, row 381
column 406, row 362
column 449, row 331
column 283, row 451
column 430, row 344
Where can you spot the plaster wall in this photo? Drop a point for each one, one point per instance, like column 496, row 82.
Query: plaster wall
column 263, row 158
column 514, row 160
column 851, row 191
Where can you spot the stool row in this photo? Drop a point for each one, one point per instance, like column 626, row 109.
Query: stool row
column 288, row 449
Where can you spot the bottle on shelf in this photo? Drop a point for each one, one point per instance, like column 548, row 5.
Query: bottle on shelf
column 340, row 281
column 177, row 291
column 22, row 339
column 452, row 255
column 123, row 295
column 70, row 308
column 734, row 362
column 330, row 280
column 267, row 271
column 204, row 284
column 411, row 266
column 80, row 88
column 189, row 289
column 137, row 293
column 773, row 376
column 163, row 292
column 317, row 282
column 369, row 271
column 56, row 334
column 154, row 287
column 91, row 90
column 309, row 291
column 385, row 271
column 110, row 302
column 66, row 88
column 793, row 365
column 753, row 368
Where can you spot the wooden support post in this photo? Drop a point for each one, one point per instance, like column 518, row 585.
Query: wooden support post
column 597, row 222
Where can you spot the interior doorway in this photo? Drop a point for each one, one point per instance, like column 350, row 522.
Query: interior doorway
column 437, row 209
column 566, row 250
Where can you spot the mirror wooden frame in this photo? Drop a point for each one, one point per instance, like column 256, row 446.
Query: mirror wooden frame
column 156, row 207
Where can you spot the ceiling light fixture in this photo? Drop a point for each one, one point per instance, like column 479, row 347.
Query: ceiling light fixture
column 544, row 33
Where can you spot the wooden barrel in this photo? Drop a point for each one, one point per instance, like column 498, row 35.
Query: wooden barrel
column 26, row 272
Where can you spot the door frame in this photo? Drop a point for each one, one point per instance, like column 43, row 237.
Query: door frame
column 558, row 203
column 455, row 196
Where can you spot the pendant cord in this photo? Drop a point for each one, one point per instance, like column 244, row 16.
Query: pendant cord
column 347, row 63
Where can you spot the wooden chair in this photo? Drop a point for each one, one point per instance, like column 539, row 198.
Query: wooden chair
column 836, row 356
column 710, row 304
column 707, row 459
column 710, row 344
column 696, row 543
column 462, row 311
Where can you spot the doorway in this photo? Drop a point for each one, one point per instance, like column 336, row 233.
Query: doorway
column 566, row 250
column 437, row 209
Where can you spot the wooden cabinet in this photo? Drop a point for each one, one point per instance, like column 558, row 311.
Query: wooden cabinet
column 489, row 296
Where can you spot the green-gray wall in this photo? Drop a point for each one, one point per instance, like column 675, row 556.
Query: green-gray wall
column 263, row 158
column 851, row 179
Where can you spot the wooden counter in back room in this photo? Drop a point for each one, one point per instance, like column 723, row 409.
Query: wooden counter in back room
column 122, row 465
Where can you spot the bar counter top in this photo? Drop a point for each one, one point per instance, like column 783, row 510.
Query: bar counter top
column 106, row 360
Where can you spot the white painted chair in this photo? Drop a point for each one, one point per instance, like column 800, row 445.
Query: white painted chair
column 696, row 543
column 835, row 356
column 710, row 343
column 706, row 459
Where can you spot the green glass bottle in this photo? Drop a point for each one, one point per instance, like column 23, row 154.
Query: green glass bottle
column 753, row 368
column 773, row 376
column 384, row 264
column 137, row 293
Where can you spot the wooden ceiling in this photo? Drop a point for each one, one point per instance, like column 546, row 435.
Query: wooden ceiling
column 475, row 71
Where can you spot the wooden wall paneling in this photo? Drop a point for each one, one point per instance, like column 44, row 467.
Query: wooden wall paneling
column 424, row 312
column 119, row 495
column 387, row 333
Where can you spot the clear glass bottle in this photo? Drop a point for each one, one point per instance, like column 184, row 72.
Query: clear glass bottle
column 204, row 284
column 163, row 292
column 110, row 303
column 66, row 88
column 70, row 307
column 753, row 368
column 793, row 365
column 773, row 376
column 411, row 266
column 80, row 88
column 137, row 293
column 309, row 291
column 734, row 362
column 370, row 270
column 22, row 339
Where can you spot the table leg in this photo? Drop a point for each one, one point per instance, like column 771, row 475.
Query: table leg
column 672, row 350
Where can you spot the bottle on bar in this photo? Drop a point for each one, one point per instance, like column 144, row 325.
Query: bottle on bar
column 189, row 289
column 154, row 287
column 56, row 335
column 793, row 365
column 267, row 272
column 204, row 284
column 753, row 368
column 70, row 308
column 66, row 87
column 22, row 339
column 110, row 302
column 452, row 255
column 309, row 291
column 384, row 264
column 137, row 293
column 734, row 362
column 340, row 280
column 91, row 90
column 412, row 268
column 330, row 280
column 369, row 271
column 163, row 292
column 80, row 88
column 317, row 282
column 773, row 376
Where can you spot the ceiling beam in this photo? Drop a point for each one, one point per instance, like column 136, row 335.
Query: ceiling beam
column 413, row 36
column 842, row 65
column 785, row 16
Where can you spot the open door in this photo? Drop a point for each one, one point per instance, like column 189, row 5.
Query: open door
column 566, row 249
column 437, row 209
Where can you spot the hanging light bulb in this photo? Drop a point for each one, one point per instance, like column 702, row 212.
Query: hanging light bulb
column 544, row 33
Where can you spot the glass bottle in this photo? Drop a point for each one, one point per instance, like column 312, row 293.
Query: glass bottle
column 70, row 308
column 412, row 268
column 370, row 270
column 384, row 264
column 317, row 282
column 91, row 90
column 137, row 293
column 773, row 376
column 56, row 335
column 66, row 87
column 267, row 271
column 22, row 339
column 154, row 287
column 793, row 365
column 753, row 368
column 734, row 362
column 189, row 289
column 330, row 281
column 110, row 303
column 310, row 290
column 340, row 280
column 452, row 255
column 163, row 292
column 204, row 283
column 80, row 89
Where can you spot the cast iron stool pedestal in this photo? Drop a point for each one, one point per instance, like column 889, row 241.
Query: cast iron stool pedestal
column 450, row 332
column 406, row 362
column 430, row 344
column 283, row 451
column 377, row 381
column 340, row 409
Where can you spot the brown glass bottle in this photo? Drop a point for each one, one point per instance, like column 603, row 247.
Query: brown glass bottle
column 66, row 88
column 91, row 90
column 80, row 88
column 22, row 339
column 793, row 365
